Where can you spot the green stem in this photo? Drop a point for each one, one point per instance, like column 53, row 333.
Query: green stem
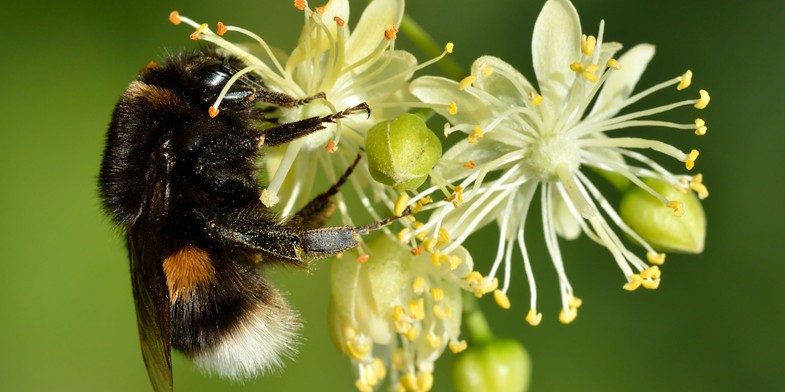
column 477, row 329
column 424, row 41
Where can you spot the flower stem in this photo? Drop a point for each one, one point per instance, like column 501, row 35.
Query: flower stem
column 424, row 41
column 477, row 329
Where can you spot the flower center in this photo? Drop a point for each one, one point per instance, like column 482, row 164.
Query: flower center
column 549, row 153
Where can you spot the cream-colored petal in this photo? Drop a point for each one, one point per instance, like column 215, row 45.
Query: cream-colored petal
column 333, row 8
column 441, row 91
column 565, row 223
column 453, row 164
column 621, row 83
column 378, row 82
column 494, row 76
column 376, row 18
column 555, row 45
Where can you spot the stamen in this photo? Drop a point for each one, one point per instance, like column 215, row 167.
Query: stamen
column 300, row 4
column 457, row 347
column 697, row 185
column 577, row 67
column 469, row 165
column 196, row 35
column 533, row 318
column 363, row 258
column 501, row 299
column 339, row 21
column 703, row 101
column 700, row 127
column 437, row 294
column 416, row 251
column 677, row 206
column 536, row 98
column 655, row 258
column 331, row 146
column 174, row 17
column 391, row 33
column 212, row 111
column 453, row 108
column 475, row 136
column 449, row 47
column 588, row 44
column 466, row 82
column 567, row 316
column 690, row 161
column 319, row 10
column 650, row 284
column 613, row 63
column 685, row 80
column 221, row 29
column 400, row 204
column 633, row 283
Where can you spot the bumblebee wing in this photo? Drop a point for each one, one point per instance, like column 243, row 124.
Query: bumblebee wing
column 152, row 311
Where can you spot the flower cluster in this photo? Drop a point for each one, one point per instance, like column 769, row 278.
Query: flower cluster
column 521, row 139
column 396, row 301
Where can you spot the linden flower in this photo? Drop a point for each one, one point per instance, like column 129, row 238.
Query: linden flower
column 349, row 69
column 394, row 310
column 545, row 140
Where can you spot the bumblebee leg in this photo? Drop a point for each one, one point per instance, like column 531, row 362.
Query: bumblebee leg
column 285, row 133
column 279, row 242
column 284, row 100
column 316, row 213
column 217, row 164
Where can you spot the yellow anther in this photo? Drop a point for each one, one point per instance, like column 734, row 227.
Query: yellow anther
column 402, row 327
column 424, row 381
column 651, row 284
column 652, row 272
column 501, row 299
column 633, row 283
column 436, row 259
column 417, row 309
column 429, row 243
column 433, row 341
column 349, row 333
column 700, row 127
column 474, row 278
column 703, row 101
column 448, row 311
column 677, row 206
column 368, row 374
column 466, row 82
column 358, row 349
column 700, row 189
column 444, row 236
column 455, row 261
column 300, row 4
column 449, row 47
column 457, row 347
column 196, row 35
column 439, row 312
column 400, row 204
column 589, row 73
column 575, row 302
column 613, row 63
column 453, row 108
column 362, row 386
column 404, row 234
column 475, row 136
column 487, row 71
column 419, row 285
column 398, row 313
column 412, row 334
column 536, row 98
column 685, row 81
column 437, row 294
column 567, row 316
column 655, row 258
column 533, row 318
column 409, row 381
column 690, row 161
column 588, row 44
column 577, row 67
column 391, row 33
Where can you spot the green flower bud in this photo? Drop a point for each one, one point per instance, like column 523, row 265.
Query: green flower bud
column 657, row 223
column 500, row 365
column 401, row 152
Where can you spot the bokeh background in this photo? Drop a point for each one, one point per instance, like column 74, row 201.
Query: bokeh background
column 716, row 323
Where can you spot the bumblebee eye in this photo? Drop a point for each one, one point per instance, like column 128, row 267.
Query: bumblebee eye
column 216, row 76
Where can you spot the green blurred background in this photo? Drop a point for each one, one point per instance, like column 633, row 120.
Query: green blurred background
column 716, row 323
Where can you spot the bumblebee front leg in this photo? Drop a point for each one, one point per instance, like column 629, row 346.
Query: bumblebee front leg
column 316, row 213
column 285, row 133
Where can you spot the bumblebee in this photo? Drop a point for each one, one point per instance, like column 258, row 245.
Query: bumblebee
column 180, row 180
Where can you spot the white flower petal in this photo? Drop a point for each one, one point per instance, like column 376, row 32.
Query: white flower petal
column 442, row 91
column 451, row 166
column 566, row 225
column 376, row 18
column 621, row 83
column 556, row 45
column 502, row 80
column 378, row 84
column 333, row 8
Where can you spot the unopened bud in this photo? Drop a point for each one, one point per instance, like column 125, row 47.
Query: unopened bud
column 401, row 152
column 501, row 365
